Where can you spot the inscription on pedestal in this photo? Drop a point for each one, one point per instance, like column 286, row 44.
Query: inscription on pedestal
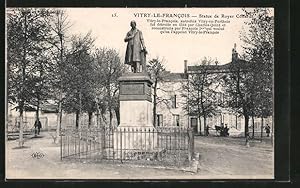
column 132, row 89
column 135, row 87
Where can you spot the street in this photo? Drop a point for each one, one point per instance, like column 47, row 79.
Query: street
column 220, row 158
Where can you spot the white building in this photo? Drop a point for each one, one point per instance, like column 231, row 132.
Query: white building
column 171, row 112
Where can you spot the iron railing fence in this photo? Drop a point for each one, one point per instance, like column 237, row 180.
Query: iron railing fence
column 128, row 143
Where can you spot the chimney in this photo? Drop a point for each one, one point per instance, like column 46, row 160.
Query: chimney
column 185, row 69
column 185, row 66
column 234, row 53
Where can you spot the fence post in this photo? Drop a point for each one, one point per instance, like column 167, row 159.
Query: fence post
column 102, row 141
column 191, row 143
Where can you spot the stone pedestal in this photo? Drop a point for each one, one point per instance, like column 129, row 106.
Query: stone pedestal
column 135, row 100
column 136, row 134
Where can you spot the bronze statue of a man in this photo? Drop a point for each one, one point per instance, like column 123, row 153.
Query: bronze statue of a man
column 136, row 50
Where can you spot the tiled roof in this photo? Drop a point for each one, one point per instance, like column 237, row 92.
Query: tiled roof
column 169, row 76
column 213, row 68
column 209, row 67
column 49, row 108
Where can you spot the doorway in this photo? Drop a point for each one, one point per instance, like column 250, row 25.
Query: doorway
column 194, row 124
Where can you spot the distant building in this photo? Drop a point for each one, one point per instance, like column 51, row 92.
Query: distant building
column 47, row 116
column 171, row 104
column 171, row 112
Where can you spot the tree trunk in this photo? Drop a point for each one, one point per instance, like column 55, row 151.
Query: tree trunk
column 261, row 128
column 21, row 125
column 202, row 105
column 102, row 119
column 97, row 116
column 77, row 119
column 204, row 125
column 90, row 114
column 221, row 119
column 22, row 102
column 109, row 105
column 80, row 123
column 37, row 116
column 236, row 121
column 272, row 133
column 110, row 117
column 117, row 111
column 199, row 117
column 38, row 110
column 253, row 128
column 154, row 103
column 246, row 124
column 59, row 113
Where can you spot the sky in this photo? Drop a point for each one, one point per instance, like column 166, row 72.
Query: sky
column 110, row 32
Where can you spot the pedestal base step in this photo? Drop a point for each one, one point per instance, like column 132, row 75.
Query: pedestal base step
column 155, row 154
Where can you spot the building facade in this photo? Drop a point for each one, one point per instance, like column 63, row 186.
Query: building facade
column 172, row 110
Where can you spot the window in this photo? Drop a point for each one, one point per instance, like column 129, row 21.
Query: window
column 175, row 120
column 174, row 101
column 194, row 124
column 159, row 120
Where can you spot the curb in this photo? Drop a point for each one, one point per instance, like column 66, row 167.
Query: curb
column 193, row 167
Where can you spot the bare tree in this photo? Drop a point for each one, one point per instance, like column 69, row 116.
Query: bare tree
column 156, row 68
column 109, row 68
column 27, row 33
column 250, row 82
column 258, row 49
column 200, row 93
column 78, row 75
column 59, row 25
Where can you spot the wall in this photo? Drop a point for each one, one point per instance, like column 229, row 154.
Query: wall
column 166, row 92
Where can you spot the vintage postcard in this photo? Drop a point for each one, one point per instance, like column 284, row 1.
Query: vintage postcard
column 139, row 93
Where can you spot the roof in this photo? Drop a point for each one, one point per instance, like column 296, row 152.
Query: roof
column 209, row 67
column 49, row 108
column 46, row 108
column 212, row 68
column 169, row 76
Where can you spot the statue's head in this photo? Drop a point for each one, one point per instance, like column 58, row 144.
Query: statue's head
column 133, row 24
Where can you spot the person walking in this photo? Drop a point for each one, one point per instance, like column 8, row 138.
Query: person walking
column 37, row 127
column 267, row 128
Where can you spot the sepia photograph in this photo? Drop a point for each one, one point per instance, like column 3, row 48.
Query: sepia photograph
column 139, row 93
